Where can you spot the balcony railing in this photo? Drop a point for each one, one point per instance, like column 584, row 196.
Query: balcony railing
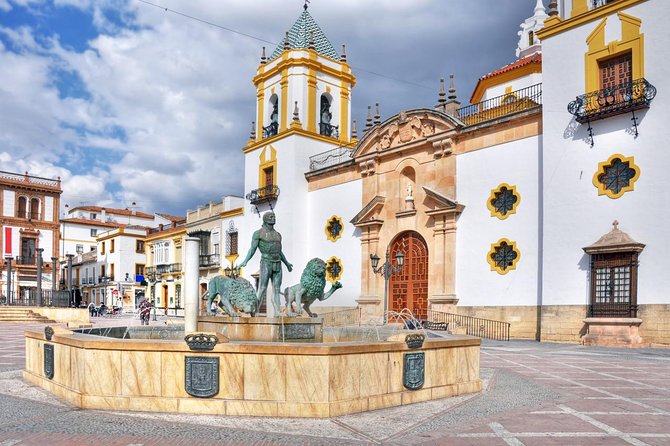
column 28, row 260
column 332, row 131
column 263, row 195
column 601, row 104
column 516, row 101
column 157, row 270
column 30, row 179
column 270, row 130
column 330, row 158
column 623, row 309
column 209, row 260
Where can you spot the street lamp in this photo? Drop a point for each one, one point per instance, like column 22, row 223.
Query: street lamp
column 387, row 270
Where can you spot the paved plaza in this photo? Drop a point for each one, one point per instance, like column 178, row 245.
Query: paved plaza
column 534, row 394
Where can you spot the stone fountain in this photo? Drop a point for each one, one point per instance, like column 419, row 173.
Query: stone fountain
column 250, row 366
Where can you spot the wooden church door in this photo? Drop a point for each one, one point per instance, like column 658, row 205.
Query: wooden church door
column 409, row 287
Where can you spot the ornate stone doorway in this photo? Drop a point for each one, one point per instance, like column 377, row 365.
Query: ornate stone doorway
column 409, row 288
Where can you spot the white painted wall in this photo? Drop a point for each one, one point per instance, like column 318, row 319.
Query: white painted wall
column 49, row 209
column 344, row 201
column 574, row 215
column 514, row 163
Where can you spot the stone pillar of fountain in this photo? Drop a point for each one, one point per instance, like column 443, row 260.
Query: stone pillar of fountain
column 191, row 291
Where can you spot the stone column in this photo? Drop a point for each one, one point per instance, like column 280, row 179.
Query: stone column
column 69, row 278
column 54, row 262
column 191, row 291
column 39, row 276
column 8, row 262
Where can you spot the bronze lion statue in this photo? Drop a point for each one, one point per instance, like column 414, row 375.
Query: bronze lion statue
column 233, row 293
column 312, row 286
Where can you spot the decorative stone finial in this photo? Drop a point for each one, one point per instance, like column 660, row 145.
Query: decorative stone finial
column 453, row 104
column 442, row 95
column 354, row 132
column 252, row 134
column 553, row 8
column 615, row 223
column 263, row 58
column 343, row 57
column 368, row 121
column 452, row 89
column 377, row 114
column 286, row 43
column 296, row 113
column 312, row 45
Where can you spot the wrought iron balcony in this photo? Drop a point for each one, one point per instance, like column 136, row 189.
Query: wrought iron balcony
column 270, row 130
column 330, row 158
column 601, row 104
column 332, row 131
column 26, row 260
column 207, row 260
column 263, row 195
column 500, row 106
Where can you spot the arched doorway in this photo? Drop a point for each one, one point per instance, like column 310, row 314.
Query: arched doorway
column 409, row 287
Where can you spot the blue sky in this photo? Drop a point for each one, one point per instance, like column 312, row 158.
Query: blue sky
column 127, row 102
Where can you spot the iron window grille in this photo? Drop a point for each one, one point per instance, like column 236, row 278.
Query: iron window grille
column 614, row 285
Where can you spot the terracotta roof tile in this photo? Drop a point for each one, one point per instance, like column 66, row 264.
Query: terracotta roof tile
column 112, row 211
column 533, row 58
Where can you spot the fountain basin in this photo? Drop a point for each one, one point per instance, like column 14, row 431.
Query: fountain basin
column 254, row 378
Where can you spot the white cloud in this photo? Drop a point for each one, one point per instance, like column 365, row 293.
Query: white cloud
column 170, row 97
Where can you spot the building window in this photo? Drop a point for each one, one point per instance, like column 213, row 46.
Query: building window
column 34, row 209
column 503, row 201
column 139, row 246
column 94, row 216
column 161, row 253
column 102, row 248
column 334, row 269
column 334, row 228
column 22, row 207
column 231, row 239
column 111, row 272
column 614, row 263
column 94, row 232
column 111, row 246
column 103, row 270
column 269, row 174
column 616, row 176
column 139, row 269
column 503, row 256
column 80, row 249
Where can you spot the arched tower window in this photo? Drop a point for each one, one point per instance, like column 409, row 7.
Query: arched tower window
column 273, row 128
column 325, row 127
column 22, row 208
column 35, row 208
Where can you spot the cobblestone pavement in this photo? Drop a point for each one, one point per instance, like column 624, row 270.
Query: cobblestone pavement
column 534, row 394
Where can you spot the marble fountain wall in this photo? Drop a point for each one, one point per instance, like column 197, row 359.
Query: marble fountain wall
column 254, row 378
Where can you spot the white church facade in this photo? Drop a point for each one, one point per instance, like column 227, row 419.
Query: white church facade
column 503, row 209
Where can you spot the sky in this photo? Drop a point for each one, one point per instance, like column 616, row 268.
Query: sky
column 127, row 101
